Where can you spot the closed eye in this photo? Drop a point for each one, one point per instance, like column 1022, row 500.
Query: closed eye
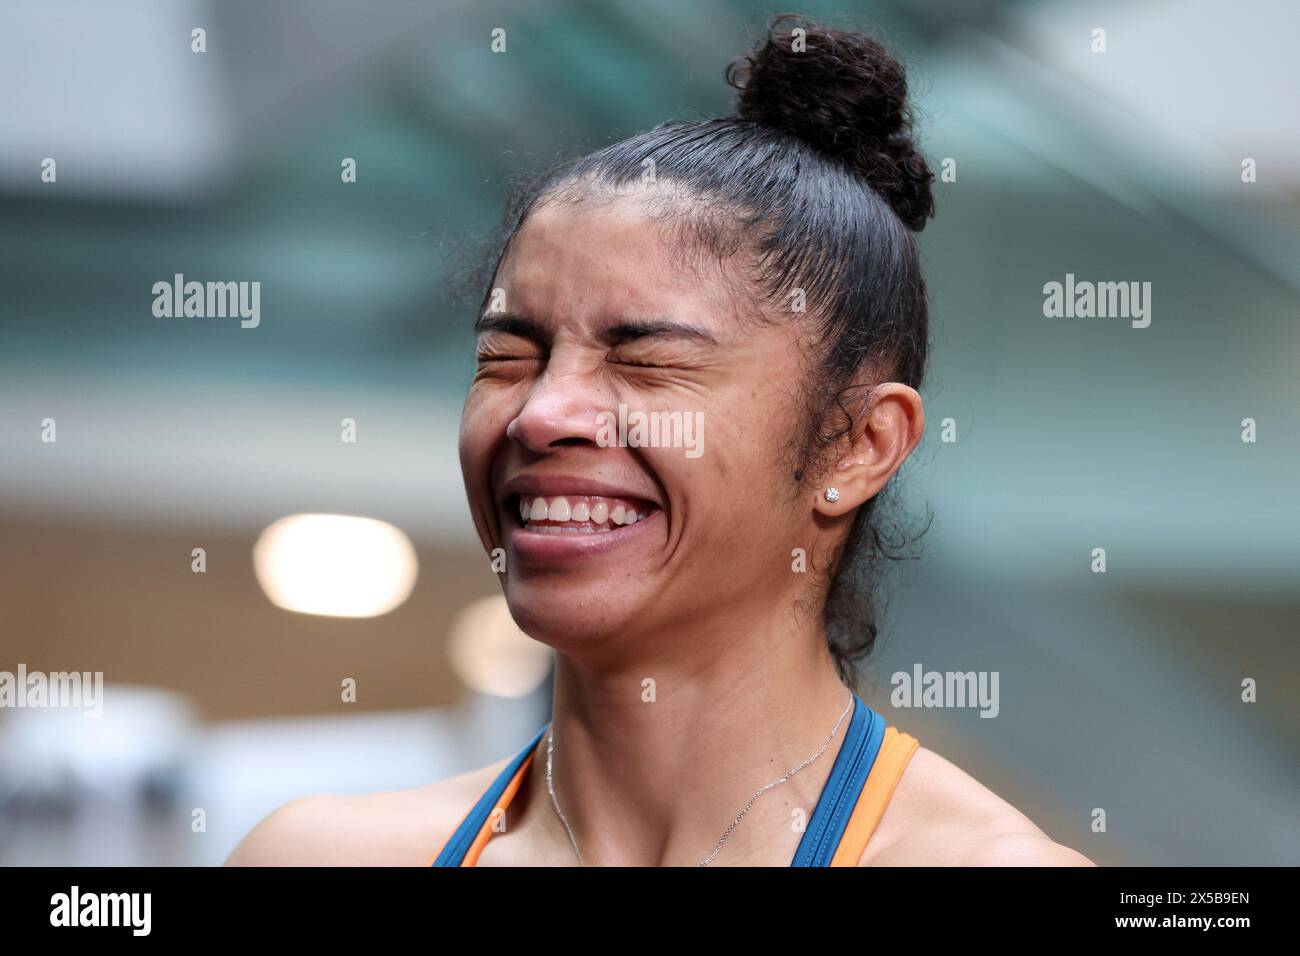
column 636, row 364
column 505, row 345
column 507, row 352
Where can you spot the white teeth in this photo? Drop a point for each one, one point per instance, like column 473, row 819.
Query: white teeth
column 585, row 517
column 566, row 529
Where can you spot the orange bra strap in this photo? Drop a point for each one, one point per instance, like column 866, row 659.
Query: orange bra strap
column 485, row 832
column 895, row 751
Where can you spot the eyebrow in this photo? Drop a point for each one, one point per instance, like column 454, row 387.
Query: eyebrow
column 509, row 323
column 630, row 330
column 622, row 332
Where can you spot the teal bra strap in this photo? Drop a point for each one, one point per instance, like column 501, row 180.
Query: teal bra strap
column 454, row 852
column 840, row 794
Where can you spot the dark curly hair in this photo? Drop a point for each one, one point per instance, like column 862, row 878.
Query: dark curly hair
column 817, row 179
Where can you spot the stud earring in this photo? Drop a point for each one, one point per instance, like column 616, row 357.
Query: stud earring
column 832, row 495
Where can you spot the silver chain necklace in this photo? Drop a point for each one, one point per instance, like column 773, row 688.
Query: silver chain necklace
column 717, row 848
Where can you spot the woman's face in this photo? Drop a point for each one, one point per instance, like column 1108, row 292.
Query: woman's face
column 596, row 324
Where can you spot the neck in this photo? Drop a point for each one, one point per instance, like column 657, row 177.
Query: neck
column 656, row 756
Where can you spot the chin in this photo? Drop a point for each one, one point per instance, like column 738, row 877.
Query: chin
column 568, row 619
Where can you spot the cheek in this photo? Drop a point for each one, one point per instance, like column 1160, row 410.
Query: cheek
column 735, row 484
column 467, row 446
column 751, row 440
column 483, row 422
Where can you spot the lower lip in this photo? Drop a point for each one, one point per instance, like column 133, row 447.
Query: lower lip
column 578, row 545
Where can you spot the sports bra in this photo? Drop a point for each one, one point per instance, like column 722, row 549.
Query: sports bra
column 870, row 762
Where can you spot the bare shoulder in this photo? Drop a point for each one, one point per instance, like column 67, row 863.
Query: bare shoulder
column 385, row 828
column 940, row 815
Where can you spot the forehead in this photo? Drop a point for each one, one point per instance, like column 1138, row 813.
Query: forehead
column 588, row 259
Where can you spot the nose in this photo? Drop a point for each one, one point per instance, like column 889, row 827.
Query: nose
column 561, row 409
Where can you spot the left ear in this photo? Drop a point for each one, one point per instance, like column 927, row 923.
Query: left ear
column 891, row 425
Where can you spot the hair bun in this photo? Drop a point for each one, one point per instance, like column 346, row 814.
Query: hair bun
column 845, row 96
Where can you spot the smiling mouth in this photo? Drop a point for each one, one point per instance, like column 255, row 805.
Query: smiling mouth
column 580, row 514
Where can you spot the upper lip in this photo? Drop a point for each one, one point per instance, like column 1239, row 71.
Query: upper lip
column 546, row 485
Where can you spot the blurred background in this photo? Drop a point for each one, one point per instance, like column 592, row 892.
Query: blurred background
column 1120, row 691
